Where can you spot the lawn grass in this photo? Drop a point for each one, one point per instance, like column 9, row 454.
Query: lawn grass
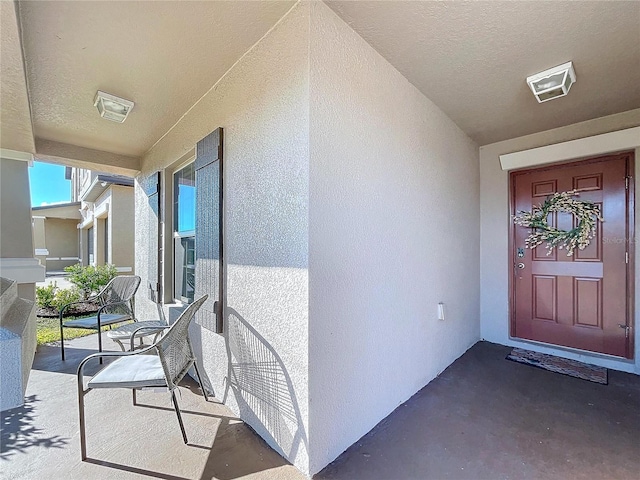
column 48, row 330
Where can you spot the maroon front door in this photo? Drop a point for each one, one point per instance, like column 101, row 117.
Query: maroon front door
column 584, row 300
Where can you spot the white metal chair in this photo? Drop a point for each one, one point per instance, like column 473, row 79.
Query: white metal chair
column 116, row 305
column 162, row 364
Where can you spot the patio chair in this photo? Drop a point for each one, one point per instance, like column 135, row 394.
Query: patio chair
column 162, row 364
column 140, row 329
column 116, row 305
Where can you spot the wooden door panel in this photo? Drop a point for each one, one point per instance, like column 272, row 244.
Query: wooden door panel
column 580, row 300
column 587, row 302
column 545, row 298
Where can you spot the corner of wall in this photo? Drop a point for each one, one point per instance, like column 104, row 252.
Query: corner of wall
column 394, row 190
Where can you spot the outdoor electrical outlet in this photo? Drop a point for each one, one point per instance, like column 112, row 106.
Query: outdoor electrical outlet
column 440, row 311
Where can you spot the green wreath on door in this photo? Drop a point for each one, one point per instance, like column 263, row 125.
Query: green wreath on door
column 586, row 213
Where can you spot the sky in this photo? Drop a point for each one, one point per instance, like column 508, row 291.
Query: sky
column 48, row 185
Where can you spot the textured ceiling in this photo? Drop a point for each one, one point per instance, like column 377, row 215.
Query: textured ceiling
column 16, row 132
column 472, row 58
column 162, row 55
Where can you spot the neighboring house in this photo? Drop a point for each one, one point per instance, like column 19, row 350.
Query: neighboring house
column 55, row 235
column 95, row 228
column 330, row 174
column 106, row 228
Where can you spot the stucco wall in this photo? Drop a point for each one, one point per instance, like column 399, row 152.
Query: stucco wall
column 61, row 239
column 262, row 104
column 394, row 229
column 121, row 227
column 15, row 210
column 17, row 261
column 494, row 236
column 39, row 238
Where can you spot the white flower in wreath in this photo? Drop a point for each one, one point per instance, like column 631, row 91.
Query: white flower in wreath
column 587, row 213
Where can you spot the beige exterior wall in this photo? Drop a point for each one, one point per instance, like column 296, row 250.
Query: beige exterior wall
column 113, row 210
column 494, row 234
column 122, row 229
column 55, row 230
column 81, row 181
column 62, row 243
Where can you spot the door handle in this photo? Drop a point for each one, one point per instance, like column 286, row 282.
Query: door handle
column 516, row 267
column 626, row 329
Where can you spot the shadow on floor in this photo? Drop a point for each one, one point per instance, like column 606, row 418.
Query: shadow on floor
column 134, row 470
column 41, row 438
column 19, row 433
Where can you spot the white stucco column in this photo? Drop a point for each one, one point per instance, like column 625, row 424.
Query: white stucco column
column 17, row 260
column 20, row 271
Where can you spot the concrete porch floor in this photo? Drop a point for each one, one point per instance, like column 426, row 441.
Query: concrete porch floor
column 41, row 439
column 483, row 418
column 486, row 417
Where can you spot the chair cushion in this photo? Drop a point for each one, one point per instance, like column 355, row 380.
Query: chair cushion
column 125, row 331
column 134, row 371
column 92, row 322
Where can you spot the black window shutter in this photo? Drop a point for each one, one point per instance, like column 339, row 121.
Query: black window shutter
column 151, row 186
column 208, row 165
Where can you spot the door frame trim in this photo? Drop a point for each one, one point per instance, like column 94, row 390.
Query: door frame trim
column 586, row 147
column 630, row 240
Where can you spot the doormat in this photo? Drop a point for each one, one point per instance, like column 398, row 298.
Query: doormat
column 565, row 366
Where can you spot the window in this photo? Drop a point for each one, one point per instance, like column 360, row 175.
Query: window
column 90, row 245
column 184, row 231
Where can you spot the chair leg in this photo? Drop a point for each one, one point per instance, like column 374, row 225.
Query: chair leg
column 204, row 390
column 83, row 439
column 61, row 340
column 175, row 405
column 100, row 341
column 120, row 344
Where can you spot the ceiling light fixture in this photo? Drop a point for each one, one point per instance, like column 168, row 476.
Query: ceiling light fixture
column 111, row 107
column 552, row 83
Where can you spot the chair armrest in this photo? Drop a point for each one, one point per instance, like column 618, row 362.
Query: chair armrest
column 133, row 334
column 64, row 307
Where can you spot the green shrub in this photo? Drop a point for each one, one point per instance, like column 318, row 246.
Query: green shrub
column 66, row 295
column 90, row 279
column 45, row 296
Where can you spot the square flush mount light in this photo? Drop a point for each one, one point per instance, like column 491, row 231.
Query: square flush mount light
column 111, row 107
column 552, row 83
